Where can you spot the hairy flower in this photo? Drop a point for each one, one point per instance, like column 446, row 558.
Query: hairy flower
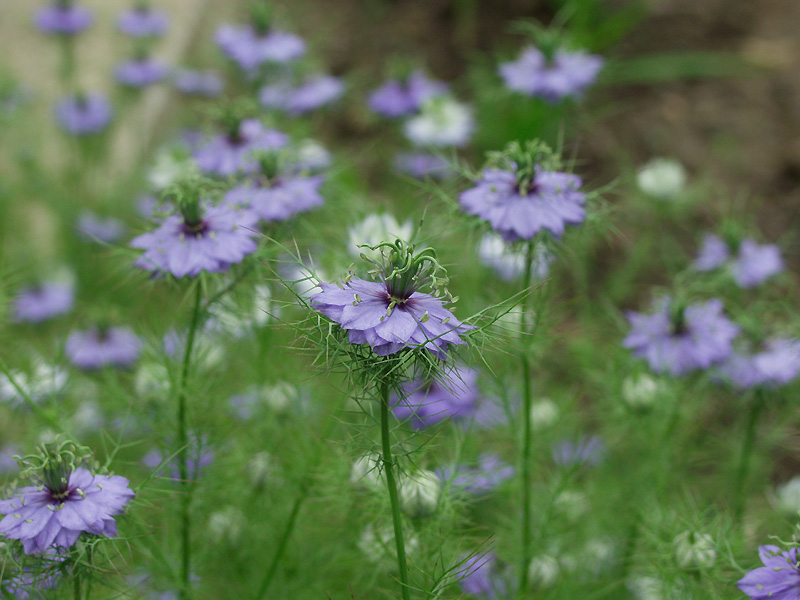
column 778, row 579
column 233, row 153
column 103, row 347
column 566, row 74
column 752, row 265
column 41, row 302
column 83, row 114
column 65, row 19
column 142, row 21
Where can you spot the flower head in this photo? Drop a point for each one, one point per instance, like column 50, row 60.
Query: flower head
column 94, row 227
column 235, row 152
column 69, row 500
column 586, row 451
column 677, row 339
column 140, row 72
column 142, row 21
column 199, row 83
column 481, row 479
column 422, row 165
column 312, row 94
column 44, row 301
column 83, row 114
column 776, row 365
column 662, row 178
column 391, row 314
column 778, row 579
column 480, row 577
column 401, row 98
column 103, row 347
column 509, row 263
column 64, row 18
column 425, row 403
column 563, row 75
column 752, row 265
column 250, row 48
column 442, row 122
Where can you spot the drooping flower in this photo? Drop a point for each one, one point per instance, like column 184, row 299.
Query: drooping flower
column 776, row 365
column 426, row 403
column 778, row 579
column 198, row 83
column 143, row 21
column 83, row 114
column 250, row 48
column 677, row 339
column 201, row 238
column 662, row 178
column 99, row 347
column 481, row 479
column 44, row 301
column 752, row 265
column 64, row 18
column 91, row 226
column 479, row 576
column 140, row 72
column 509, row 263
column 392, row 314
column 442, row 122
column 235, row 152
column 586, row 451
column 67, row 502
column 401, row 98
column 564, row 75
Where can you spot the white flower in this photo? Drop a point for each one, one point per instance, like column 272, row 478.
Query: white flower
column 543, row 414
column 88, row 417
column 366, row 472
column 229, row 317
column 45, row 381
column 420, row 493
column 508, row 263
column 787, row 497
column 377, row 544
column 226, row 525
column 641, row 391
column 442, row 122
column 312, row 156
column 662, row 178
column 260, row 468
column 694, row 550
column 646, row 588
column 169, row 167
column 151, row 378
column 572, row 504
column 373, row 230
column 543, row 571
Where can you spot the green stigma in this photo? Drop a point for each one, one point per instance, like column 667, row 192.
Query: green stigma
column 405, row 271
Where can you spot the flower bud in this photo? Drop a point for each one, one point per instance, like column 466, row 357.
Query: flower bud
column 260, row 468
column 640, row 391
column 420, row 493
column 694, row 550
column 544, row 413
column 543, row 571
column 662, row 178
column 366, row 472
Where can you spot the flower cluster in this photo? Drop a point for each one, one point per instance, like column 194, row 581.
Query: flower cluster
column 233, row 153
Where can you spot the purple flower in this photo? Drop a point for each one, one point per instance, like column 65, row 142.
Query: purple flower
column 481, row 479
column 422, row 165
column 57, row 512
column 377, row 315
column 678, row 340
column 42, row 302
column 752, row 265
column 196, row 462
column 68, row 19
column 94, row 227
column 139, row 73
column 229, row 154
column 220, row 237
column 478, row 576
column 142, row 22
column 7, row 463
column 586, row 451
column 315, row 93
column 199, row 83
column 103, row 347
column 397, row 99
column 778, row 364
column 568, row 74
column 778, row 579
column 549, row 202
column 81, row 115
column 27, row 584
column 250, row 49
column 426, row 403
column 279, row 198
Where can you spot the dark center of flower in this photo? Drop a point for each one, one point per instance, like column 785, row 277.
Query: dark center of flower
column 262, row 18
column 142, row 7
column 196, row 229
column 678, row 319
column 235, row 138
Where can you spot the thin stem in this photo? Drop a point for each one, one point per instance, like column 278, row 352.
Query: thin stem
column 388, row 469
column 747, row 450
column 525, row 454
column 183, row 457
column 76, row 586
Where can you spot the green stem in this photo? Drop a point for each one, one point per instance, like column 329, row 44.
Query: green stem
column 76, row 586
column 747, row 450
column 388, row 469
column 183, row 457
column 525, row 453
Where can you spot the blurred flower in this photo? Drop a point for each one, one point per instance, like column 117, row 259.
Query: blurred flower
column 278, row 198
column 419, row 493
column 24, row 584
column 643, row 587
column 8, row 464
column 787, row 497
column 199, row 83
column 43, row 301
column 481, row 479
column 400, row 98
column 99, row 347
column 377, row 544
column 310, row 155
column 278, row 397
column 426, row 403
column 312, row 94
column 367, row 472
column 241, row 319
column 442, row 122
column 550, row 201
column 226, row 526
column 260, row 468
column 509, row 263
column 83, row 114
column 87, row 418
column 694, row 550
column 778, row 579
column 753, row 264
column 230, row 154
column 544, row 414
column 565, row 75
column 199, row 458
column 170, row 166
column 142, row 21
column 44, row 382
column 374, row 229
column 94, row 227
column 678, row 340
column 662, row 178
column 777, row 364
column 140, row 72
column 63, row 18
column 586, row 451
column 479, row 576
column 543, row 571
column 422, row 165
column 640, row 391
column 250, row 49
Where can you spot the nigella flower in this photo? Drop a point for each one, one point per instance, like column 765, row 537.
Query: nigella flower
column 442, row 122
column 199, row 83
column 142, row 21
column 778, row 579
column 480, row 577
column 43, row 382
column 509, row 263
column 400, row 98
column 777, row 364
column 26, row 584
column 392, row 314
column 519, row 203
column 44, row 301
column 67, row 502
column 481, row 479
column 373, row 230
column 309, row 155
column 677, row 339
column 249, row 48
column 201, row 238
column 752, row 265
column 422, row 165
column 83, row 114
column 140, row 72
column 99, row 347
column 95, row 227
column 232, row 153
column 426, row 403
column 565, row 74
column 662, row 178
column 586, row 451
column 64, row 18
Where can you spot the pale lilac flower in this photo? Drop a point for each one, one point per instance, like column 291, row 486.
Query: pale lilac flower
column 140, row 72
column 776, row 365
column 481, row 479
column 229, row 154
column 279, row 198
column 713, row 253
column 28, row 584
column 250, row 49
column 314, row 93
column 752, row 265
column 94, row 227
column 143, row 22
column 778, row 579
column 44, row 301
column 550, row 202
column 199, row 83
column 7, row 463
column 198, row 459
column 678, row 340
column 401, row 98
column 83, row 114
column 103, row 347
column 422, row 165
column 69, row 19
column 567, row 75
column 56, row 514
column 442, row 121
column 586, row 451
column 426, row 403
column 479, row 576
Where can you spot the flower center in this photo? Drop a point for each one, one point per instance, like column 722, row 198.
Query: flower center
column 197, row 229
